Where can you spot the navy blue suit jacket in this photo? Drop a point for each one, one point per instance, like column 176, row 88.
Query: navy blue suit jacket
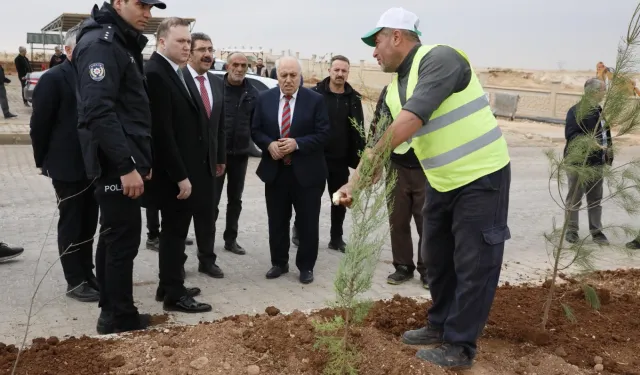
column 309, row 127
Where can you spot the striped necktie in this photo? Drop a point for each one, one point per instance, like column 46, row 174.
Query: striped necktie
column 286, row 125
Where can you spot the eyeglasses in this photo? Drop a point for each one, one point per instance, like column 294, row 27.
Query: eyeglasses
column 205, row 49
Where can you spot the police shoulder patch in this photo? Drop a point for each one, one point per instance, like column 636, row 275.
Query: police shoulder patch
column 97, row 71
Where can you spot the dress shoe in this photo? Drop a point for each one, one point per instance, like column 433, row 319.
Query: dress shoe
column 191, row 292
column 187, row 304
column 337, row 244
column 10, row 115
column 306, row 277
column 8, row 252
column 153, row 244
column 92, row 281
column 235, row 248
column 277, row 271
column 83, row 293
column 188, row 241
column 211, row 270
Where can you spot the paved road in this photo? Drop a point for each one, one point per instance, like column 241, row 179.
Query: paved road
column 27, row 206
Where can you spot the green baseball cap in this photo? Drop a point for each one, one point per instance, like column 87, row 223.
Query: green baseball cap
column 394, row 18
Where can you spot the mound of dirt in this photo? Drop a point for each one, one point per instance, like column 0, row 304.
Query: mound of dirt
column 273, row 343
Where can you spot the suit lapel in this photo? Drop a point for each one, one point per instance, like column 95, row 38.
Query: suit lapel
column 173, row 76
column 217, row 95
column 299, row 105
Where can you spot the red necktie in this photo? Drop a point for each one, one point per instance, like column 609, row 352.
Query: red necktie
column 286, row 125
column 204, row 96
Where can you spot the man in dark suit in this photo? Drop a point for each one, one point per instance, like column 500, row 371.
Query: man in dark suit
column 56, row 149
column 4, row 101
column 184, row 164
column 208, row 93
column 23, row 66
column 291, row 126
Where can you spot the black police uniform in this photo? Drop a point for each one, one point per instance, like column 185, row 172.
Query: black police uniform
column 114, row 127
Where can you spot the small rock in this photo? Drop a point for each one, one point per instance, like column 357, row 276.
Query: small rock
column 166, row 330
column 226, row 366
column 250, row 324
column 599, row 367
column 560, row 352
column 528, row 136
column 411, row 320
column 168, row 352
column 253, row 370
column 272, row 311
column 598, row 360
column 535, row 362
column 199, row 363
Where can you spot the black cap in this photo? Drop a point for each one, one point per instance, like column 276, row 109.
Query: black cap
column 157, row 3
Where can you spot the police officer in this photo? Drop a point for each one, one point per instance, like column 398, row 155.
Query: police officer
column 114, row 127
column 439, row 107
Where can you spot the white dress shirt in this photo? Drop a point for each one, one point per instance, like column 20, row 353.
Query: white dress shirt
column 173, row 65
column 292, row 105
column 207, row 85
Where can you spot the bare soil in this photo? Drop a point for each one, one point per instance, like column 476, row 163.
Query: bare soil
column 272, row 343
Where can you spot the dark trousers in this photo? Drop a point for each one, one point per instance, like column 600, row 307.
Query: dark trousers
column 153, row 223
column 120, row 226
column 338, row 176
column 464, row 234
column 23, row 83
column 76, row 227
column 408, row 201
column 281, row 195
column 175, row 226
column 236, row 171
column 4, row 101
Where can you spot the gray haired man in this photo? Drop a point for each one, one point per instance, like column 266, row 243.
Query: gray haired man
column 591, row 124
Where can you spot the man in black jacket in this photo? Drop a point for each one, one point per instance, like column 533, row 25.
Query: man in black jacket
column 114, row 127
column 591, row 125
column 56, row 149
column 4, row 102
column 346, row 142
column 57, row 58
column 239, row 101
column 23, row 66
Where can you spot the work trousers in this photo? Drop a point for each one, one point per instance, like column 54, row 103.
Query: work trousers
column 4, row 101
column 406, row 201
column 235, row 171
column 593, row 191
column 76, row 228
column 465, row 230
column 120, row 226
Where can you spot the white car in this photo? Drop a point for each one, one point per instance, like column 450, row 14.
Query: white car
column 261, row 84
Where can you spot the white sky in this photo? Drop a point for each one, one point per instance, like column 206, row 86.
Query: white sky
column 533, row 34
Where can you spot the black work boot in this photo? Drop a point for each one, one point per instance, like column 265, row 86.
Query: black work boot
column 337, row 244
column 401, row 275
column 572, row 237
column 448, row 356
column 235, row 248
column 142, row 321
column 427, row 335
column 83, row 293
column 105, row 323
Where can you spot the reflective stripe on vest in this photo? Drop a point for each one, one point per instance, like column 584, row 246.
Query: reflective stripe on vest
column 461, row 142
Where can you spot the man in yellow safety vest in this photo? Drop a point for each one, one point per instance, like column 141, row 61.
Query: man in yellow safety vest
column 439, row 108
